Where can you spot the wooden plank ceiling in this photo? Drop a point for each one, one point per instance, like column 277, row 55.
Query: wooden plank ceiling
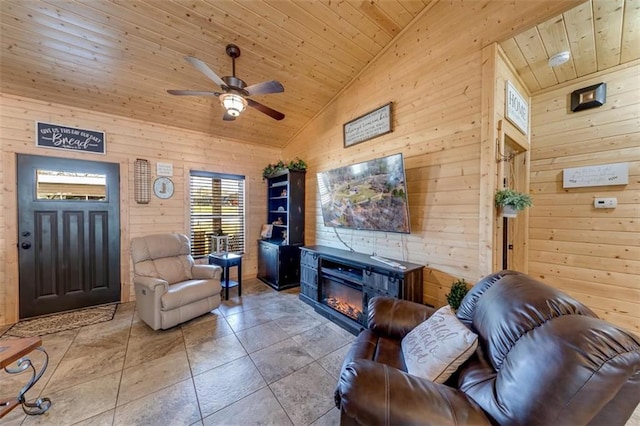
column 121, row 56
column 599, row 34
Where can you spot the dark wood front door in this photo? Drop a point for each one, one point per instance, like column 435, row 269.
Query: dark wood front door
column 68, row 234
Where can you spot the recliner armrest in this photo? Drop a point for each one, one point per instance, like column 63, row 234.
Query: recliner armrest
column 395, row 318
column 206, row 272
column 151, row 283
column 374, row 393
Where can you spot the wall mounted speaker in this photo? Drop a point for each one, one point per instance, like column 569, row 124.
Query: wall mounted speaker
column 589, row 97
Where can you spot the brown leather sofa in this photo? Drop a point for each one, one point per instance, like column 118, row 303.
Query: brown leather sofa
column 543, row 358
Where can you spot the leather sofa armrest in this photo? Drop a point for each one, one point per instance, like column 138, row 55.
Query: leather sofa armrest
column 374, row 393
column 395, row 318
column 206, row 272
column 151, row 283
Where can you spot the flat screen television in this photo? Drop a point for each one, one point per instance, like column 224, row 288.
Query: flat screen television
column 371, row 195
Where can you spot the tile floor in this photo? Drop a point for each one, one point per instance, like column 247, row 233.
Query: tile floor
column 265, row 358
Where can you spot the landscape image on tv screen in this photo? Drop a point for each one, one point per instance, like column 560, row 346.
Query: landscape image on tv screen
column 371, row 195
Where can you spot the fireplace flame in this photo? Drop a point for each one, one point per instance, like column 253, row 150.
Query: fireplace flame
column 348, row 309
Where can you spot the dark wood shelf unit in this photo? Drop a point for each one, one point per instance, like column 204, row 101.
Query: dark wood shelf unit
column 318, row 263
column 279, row 256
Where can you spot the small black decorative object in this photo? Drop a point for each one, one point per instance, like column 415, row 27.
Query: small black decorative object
column 589, row 97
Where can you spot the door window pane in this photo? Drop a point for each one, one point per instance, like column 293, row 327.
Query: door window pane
column 76, row 186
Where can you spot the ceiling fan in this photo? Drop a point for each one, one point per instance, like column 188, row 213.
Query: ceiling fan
column 235, row 92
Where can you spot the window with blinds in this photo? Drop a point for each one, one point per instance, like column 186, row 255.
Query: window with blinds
column 217, row 205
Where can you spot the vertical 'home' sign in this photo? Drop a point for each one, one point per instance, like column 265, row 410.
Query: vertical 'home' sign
column 517, row 109
column 69, row 138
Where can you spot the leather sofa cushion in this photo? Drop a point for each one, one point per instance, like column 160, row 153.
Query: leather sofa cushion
column 174, row 269
column 165, row 256
column 560, row 373
column 510, row 308
column 159, row 246
column 183, row 293
column 376, row 348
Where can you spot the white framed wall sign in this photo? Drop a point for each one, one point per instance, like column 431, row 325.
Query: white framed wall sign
column 517, row 109
column 600, row 175
column 164, row 169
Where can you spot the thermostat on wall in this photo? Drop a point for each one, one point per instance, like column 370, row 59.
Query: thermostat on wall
column 605, row 203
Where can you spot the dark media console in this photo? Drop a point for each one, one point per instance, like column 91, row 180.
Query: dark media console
column 339, row 283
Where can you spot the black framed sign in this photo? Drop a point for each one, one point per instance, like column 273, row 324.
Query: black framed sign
column 373, row 124
column 69, row 138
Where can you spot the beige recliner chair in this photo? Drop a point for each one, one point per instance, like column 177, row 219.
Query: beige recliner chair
column 170, row 288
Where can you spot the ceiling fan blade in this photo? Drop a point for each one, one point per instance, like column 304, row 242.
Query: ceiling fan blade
column 228, row 117
column 204, row 69
column 193, row 93
column 264, row 88
column 265, row 109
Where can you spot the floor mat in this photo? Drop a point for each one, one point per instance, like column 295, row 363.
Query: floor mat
column 62, row 321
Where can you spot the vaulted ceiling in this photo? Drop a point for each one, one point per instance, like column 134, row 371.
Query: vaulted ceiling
column 121, row 56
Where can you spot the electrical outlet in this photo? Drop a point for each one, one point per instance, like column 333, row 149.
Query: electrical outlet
column 605, row 203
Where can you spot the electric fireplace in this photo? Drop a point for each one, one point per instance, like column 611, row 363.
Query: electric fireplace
column 342, row 296
column 340, row 283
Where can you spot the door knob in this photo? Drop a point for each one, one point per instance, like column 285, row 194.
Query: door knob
column 25, row 245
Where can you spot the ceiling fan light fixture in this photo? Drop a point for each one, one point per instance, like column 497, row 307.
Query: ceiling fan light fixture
column 559, row 59
column 233, row 103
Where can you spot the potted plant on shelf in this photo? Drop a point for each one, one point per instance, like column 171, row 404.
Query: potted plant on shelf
column 511, row 201
column 294, row 165
column 456, row 294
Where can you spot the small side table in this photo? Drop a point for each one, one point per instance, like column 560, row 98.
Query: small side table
column 16, row 351
column 227, row 260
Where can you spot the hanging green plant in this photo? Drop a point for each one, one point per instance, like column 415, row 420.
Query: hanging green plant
column 294, row 165
column 509, row 197
column 456, row 294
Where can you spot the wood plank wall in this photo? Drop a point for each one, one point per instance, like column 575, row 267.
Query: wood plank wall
column 593, row 254
column 127, row 139
column 433, row 75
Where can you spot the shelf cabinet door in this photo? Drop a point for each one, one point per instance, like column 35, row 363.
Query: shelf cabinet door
column 278, row 265
column 309, row 274
column 268, row 262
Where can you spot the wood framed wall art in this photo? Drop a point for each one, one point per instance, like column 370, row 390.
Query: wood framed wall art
column 368, row 126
